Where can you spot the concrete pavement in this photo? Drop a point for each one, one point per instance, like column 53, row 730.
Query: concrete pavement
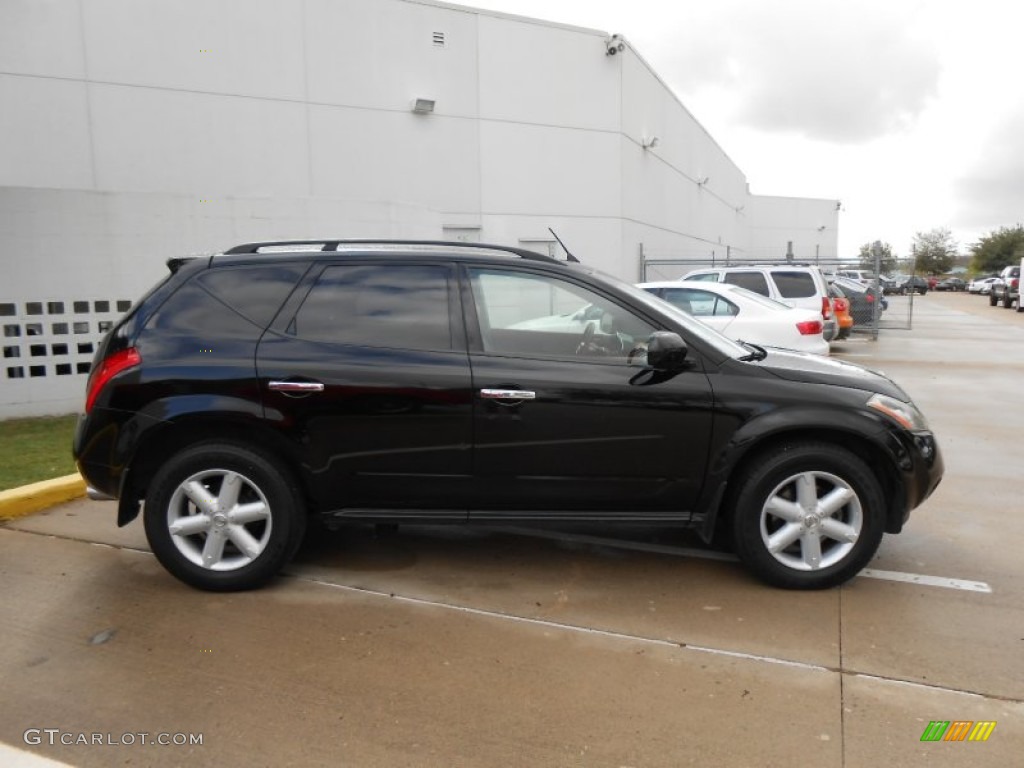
column 477, row 647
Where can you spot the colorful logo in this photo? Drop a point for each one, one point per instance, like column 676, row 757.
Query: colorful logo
column 958, row 730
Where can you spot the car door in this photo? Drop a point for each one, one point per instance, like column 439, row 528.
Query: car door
column 368, row 377
column 566, row 419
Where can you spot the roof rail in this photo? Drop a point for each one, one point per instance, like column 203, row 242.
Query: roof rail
column 339, row 245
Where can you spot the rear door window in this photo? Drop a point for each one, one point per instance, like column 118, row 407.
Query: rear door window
column 396, row 306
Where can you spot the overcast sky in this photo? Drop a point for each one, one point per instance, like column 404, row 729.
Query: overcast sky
column 911, row 112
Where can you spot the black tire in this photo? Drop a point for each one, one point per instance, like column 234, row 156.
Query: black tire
column 826, row 469
column 992, row 300
column 266, row 516
column 1007, row 301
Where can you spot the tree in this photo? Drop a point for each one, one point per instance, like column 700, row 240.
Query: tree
column 998, row 249
column 935, row 251
column 887, row 260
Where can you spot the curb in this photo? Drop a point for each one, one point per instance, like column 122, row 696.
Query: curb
column 32, row 498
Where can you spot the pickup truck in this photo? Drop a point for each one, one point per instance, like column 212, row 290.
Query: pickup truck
column 1006, row 289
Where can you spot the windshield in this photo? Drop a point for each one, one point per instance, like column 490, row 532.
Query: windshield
column 705, row 333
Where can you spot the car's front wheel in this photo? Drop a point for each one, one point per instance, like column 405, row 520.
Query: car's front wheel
column 222, row 517
column 808, row 516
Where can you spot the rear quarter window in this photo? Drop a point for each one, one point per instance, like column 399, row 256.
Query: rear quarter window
column 795, row 285
column 752, row 281
column 255, row 292
column 710, row 277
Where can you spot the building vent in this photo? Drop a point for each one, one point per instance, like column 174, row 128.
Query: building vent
column 439, row 39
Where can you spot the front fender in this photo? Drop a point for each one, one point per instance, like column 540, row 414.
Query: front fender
column 738, row 437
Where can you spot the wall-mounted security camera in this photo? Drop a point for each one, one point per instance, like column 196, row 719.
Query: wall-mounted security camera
column 614, row 44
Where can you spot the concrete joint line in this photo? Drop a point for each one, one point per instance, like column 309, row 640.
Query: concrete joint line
column 660, row 642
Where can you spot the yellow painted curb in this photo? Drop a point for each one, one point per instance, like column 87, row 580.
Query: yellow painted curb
column 28, row 499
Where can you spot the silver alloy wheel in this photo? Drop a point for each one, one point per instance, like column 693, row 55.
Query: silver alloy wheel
column 811, row 521
column 219, row 519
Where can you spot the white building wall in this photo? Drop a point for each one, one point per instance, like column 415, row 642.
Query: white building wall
column 810, row 224
column 135, row 131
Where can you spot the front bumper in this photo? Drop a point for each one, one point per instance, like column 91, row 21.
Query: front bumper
column 920, row 466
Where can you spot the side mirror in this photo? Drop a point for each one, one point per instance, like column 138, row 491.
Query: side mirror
column 666, row 351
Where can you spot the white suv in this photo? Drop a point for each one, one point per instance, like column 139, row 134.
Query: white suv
column 795, row 286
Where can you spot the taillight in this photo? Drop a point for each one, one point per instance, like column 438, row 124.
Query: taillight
column 809, row 327
column 869, row 297
column 108, row 369
column 1014, row 282
column 826, row 307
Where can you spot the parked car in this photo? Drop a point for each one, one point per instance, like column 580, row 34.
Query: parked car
column 951, row 284
column 860, row 275
column 862, row 300
column 913, row 284
column 793, row 285
column 841, row 307
column 387, row 382
column 889, row 284
column 744, row 315
column 1005, row 289
column 982, row 285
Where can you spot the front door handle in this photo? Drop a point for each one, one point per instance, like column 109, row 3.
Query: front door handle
column 507, row 394
column 296, row 387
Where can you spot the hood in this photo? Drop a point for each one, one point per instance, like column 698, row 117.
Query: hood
column 798, row 366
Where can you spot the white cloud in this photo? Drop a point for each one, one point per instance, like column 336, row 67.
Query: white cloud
column 990, row 193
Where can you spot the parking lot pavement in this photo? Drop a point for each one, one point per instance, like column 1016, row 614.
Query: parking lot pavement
column 438, row 646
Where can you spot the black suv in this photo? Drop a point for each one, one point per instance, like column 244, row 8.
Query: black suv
column 445, row 382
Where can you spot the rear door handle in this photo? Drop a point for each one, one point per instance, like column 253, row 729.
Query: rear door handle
column 507, row 394
column 296, row 387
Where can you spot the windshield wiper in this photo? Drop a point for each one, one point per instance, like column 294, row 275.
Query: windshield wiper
column 759, row 353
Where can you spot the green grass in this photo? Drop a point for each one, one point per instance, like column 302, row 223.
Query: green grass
column 35, row 449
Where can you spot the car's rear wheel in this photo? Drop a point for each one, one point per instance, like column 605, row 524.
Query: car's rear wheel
column 808, row 516
column 222, row 517
column 1007, row 301
column 992, row 299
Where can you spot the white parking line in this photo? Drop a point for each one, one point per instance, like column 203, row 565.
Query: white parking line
column 661, row 642
column 13, row 757
column 928, row 581
column 924, row 580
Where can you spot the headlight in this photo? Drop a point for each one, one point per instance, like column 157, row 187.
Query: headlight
column 905, row 414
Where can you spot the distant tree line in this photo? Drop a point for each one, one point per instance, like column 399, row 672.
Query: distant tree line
column 935, row 252
column 998, row 249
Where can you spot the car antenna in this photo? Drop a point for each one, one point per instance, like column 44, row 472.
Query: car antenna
column 568, row 254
